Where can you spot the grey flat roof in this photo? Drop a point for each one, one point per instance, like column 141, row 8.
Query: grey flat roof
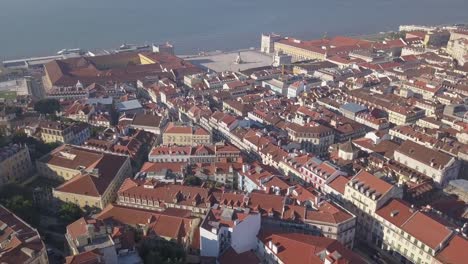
column 128, row 105
column 352, row 107
column 105, row 101
column 460, row 184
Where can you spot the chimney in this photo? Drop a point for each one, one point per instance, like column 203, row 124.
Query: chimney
column 245, row 168
column 274, row 247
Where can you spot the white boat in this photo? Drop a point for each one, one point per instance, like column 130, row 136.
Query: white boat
column 69, row 51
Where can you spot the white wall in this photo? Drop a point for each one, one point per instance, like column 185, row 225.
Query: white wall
column 209, row 244
column 244, row 235
column 110, row 254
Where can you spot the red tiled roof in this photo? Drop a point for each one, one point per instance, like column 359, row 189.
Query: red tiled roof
column 95, row 185
column 71, row 157
column 418, row 226
column 171, row 223
column 339, row 183
column 328, row 213
column 159, row 166
column 266, row 203
column 174, row 129
column 88, row 257
column 425, row 155
column 306, row 249
column 455, row 252
column 373, row 182
column 162, row 150
column 80, row 227
column 166, row 193
column 17, row 235
column 396, row 211
column 231, row 257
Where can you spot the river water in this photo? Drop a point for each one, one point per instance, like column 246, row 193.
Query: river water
column 42, row 27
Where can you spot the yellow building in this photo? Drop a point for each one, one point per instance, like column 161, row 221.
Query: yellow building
column 364, row 195
column 15, row 164
column 320, row 49
column 185, row 135
column 52, row 132
column 459, row 51
column 401, row 115
column 91, row 178
column 299, row 51
column 316, row 139
column 409, row 234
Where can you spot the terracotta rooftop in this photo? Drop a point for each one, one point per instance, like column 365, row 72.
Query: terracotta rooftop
column 17, row 238
column 339, row 183
column 266, row 204
column 425, row 155
column 371, row 181
column 231, row 257
column 223, row 217
column 71, row 157
column 420, row 223
column 172, row 224
column 327, row 212
column 88, row 257
column 79, row 228
column 146, row 120
column 175, row 129
column 95, row 183
column 455, row 251
column 119, row 67
column 396, row 211
column 167, row 193
column 160, row 166
column 307, row 249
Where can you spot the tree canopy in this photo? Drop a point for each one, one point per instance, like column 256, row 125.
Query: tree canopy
column 19, row 200
column 37, row 148
column 69, row 213
column 193, row 181
column 154, row 250
column 47, row 106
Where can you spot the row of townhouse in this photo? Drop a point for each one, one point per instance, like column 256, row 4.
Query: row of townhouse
column 195, row 154
column 402, row 232
column 311, row 170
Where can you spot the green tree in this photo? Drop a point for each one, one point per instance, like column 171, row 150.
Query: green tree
column 21, row 137
column 47, row 106
column 193, row 181
column 14, row 109
column 154, row 250
column 69, row 213
column 95, row 131
column 18, row 199
column 4, row 140
column 36, row 147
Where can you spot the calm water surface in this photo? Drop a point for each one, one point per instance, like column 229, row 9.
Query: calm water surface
column 42, row 27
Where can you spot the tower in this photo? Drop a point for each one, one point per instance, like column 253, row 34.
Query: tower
column 238, row 59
